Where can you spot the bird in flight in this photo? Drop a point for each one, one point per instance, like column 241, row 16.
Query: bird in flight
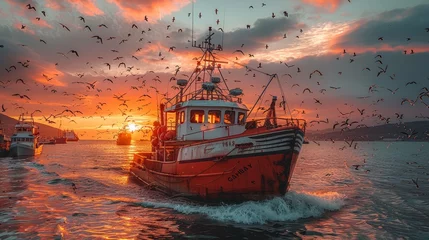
column 65, row 27
column 21, row 96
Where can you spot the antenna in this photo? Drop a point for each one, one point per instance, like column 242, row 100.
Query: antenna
column 193, row 23
column 223, row 26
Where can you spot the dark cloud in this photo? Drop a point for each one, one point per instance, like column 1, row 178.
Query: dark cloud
column 261, row 32
column 394, row 26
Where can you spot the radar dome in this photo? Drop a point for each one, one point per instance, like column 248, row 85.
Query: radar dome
column 182, row 82
column 215, row 80
column 209, row 86
column 236, row 92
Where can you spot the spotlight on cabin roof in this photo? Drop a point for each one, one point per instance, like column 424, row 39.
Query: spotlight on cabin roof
column 215, row 80
column 236, row 92
column 182, row 82
column 209, row 86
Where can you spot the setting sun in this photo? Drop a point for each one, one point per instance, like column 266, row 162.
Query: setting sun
column 132, row 127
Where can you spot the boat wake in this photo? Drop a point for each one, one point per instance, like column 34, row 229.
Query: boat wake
column 291, row 207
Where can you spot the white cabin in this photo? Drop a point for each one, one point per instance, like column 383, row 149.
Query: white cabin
column 207, row 113
column 202, row 119
column 25, row 133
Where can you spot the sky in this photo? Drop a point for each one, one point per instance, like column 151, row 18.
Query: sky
column 371, row 55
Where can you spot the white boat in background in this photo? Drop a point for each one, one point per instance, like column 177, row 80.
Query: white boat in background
column 71, row 136
column 25, row 140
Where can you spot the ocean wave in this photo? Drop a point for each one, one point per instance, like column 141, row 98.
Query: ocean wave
column 290, row 207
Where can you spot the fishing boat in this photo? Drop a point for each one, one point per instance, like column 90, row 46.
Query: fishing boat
column 124, row 137
column 25, row 140
column 4, row 143
column 71, row 136
column 212, row 151
column 61, row 138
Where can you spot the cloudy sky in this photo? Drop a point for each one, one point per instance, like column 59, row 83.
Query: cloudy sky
column 52, row 54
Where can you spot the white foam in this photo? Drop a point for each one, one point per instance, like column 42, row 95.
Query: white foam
column 290, row 207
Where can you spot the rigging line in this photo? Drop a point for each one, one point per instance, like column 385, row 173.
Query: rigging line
column 247, row 67
column 260, row 104
column 226, row 85
column 223, row 25
column 189, row 84
column 272, row 77
column 283, row 95
column 192, row 44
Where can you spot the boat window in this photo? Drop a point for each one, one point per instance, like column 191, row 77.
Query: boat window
column 229, row 117
column 182, row 117
column 197, row 116
column 241, row 118
column 213, row 116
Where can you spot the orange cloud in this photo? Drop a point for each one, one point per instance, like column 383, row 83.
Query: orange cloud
column 41, row 23
column 87, row 7
column 330, row 5
column 18, row 26
column 154, row 9
column 52, row 75
column 382, row 48
column 53, row 4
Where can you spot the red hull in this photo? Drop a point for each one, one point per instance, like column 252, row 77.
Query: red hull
column 252, row 178
column 258, row 175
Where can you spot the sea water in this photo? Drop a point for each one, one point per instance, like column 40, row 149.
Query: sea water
column 83, row 190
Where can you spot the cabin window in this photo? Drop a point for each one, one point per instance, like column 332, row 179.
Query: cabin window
column 214, row 116
column 241, row 118
column 181, row 117
column 197, row 116
column 229, row 117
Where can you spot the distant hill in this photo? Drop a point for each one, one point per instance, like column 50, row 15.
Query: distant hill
column 9, row 123
column 376, row 133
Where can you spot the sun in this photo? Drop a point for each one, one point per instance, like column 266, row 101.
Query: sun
column 132, row 127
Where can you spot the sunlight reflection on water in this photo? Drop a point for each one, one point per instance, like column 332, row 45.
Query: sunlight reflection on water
column 330, row 197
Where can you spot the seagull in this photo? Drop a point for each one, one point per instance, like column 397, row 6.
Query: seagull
column 73, row 51
column 98, row 38
column 21, row 96
column 307, row 89
column 316, row 71
column 64, row 26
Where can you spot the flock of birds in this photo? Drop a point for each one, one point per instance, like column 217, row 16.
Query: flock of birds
column 153, row 85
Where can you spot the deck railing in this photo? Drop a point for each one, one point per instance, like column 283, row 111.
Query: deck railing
column 265, row 123
column 270, row 123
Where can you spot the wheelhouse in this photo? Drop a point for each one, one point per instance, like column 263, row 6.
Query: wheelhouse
column 206, row 114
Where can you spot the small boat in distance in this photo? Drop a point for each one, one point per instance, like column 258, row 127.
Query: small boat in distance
column 124, row 137
column 25, row 140
column 71, row 136
column 208, row 150
column 4, row 143
column 61, row 138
